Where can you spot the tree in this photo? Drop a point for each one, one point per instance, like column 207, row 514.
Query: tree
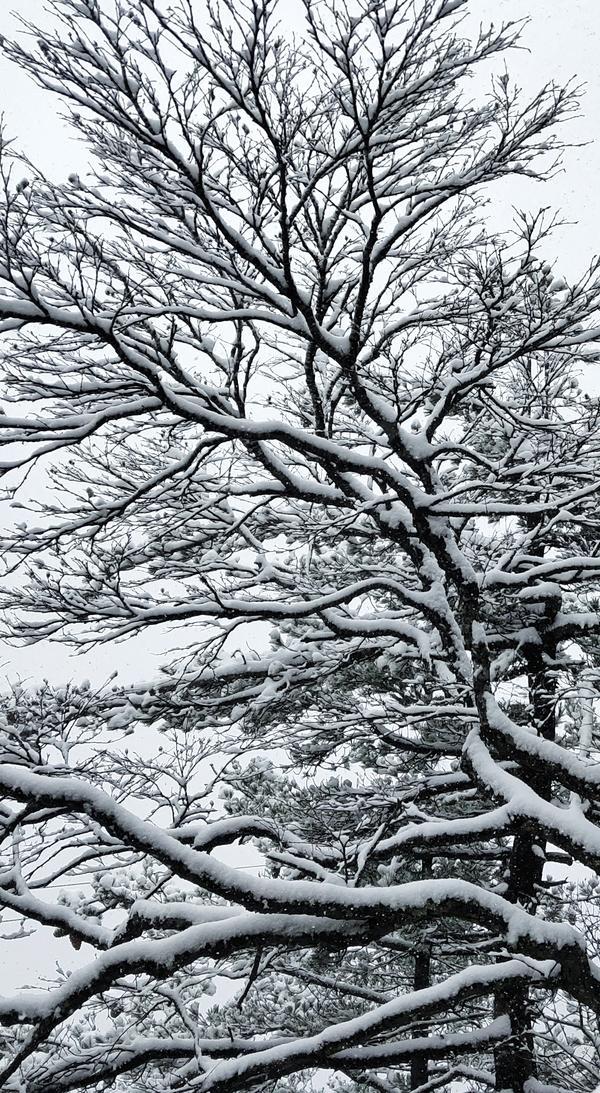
column 276, row 371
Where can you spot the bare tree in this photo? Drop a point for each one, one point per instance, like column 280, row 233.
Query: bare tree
column 275, row 371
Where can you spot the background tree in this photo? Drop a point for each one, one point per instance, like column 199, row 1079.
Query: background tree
column 279, row 376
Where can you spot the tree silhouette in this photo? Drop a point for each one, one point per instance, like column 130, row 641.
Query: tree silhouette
column 270, row 378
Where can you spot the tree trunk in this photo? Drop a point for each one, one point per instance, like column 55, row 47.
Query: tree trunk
column 514, row 1060
column 419, row 1067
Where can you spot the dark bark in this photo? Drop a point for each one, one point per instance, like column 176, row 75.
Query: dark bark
column 515, row 1061
column 419, row 1067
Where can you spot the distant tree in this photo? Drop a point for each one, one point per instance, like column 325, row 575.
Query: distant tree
column 284, row 387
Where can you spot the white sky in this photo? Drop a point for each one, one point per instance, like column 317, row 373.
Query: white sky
column 562, row 41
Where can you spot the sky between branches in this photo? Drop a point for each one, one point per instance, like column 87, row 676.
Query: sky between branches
column 561, row 42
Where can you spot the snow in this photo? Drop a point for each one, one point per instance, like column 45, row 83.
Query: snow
column 304, row 897
column 294, row 1055
column 567, row 827
column 272, row 355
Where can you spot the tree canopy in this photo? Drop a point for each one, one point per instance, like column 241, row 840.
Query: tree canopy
column 272, row 381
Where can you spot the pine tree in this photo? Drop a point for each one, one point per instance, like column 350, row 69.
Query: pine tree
column 285, row 391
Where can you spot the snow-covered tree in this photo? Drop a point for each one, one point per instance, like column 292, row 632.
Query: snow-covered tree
column 270, row 378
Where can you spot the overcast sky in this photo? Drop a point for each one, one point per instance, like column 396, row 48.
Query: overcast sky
column 561, row 41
